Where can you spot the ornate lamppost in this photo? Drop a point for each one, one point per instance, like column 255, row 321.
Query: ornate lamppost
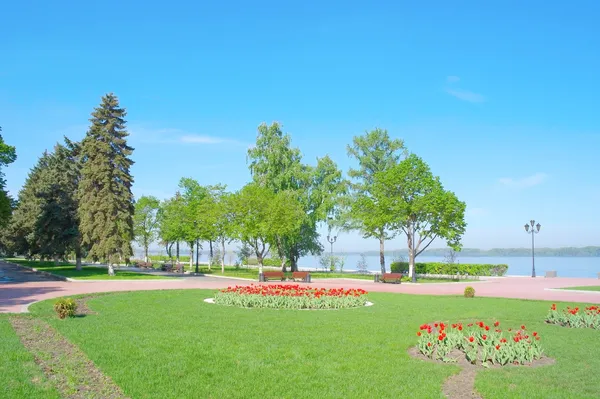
column 331, row 240
column 532, row 229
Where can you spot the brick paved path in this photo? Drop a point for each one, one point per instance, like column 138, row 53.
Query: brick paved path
column 25, row 289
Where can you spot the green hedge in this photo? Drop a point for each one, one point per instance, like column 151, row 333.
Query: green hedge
column 274, row 262
column 165, row 258
column 473, row 269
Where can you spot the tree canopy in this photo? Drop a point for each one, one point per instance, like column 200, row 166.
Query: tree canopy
column 8, row 155
column 145, row 222
column 277, row 166
column 419, row 206
column 106, row 202
column 375, row 152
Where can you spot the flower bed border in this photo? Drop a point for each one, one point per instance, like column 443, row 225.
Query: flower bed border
column 290, row 296
column 212, row 302
column 478, row 343
column 569, row 317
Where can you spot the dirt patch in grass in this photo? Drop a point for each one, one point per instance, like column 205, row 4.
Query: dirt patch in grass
column 64, row 364
column 82, row 307
column 462, row 385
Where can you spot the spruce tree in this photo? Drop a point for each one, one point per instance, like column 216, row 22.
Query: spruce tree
column 57, row 226
column 20, row 234
column 106, row 203
column 7, row 156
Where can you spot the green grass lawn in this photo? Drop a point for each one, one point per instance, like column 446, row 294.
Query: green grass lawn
column 87, row 272
column 19, row 375
column 171, row 344
column 584, row 288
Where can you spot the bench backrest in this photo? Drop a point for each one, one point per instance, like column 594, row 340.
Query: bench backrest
column 392, row 275
column 299, row 274
column 273, row 274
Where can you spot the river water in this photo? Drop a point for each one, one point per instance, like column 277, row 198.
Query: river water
column 517, row 266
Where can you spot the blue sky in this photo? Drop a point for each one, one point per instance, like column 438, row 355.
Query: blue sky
column 500, row 100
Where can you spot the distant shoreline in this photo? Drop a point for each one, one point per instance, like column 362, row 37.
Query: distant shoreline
column 566, row 252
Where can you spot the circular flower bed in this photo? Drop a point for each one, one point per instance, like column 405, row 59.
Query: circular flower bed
column 290, row 296
column 479, row 342
column 574, row 317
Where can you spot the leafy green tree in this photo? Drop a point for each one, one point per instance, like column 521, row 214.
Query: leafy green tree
column 198, row 221
column 106, row 205
column 217, row 212
column 56, row 230
column 171, row 216
column 251, row 216
column 375, row 152
column 7, row 156
column 145, row 222
column 276, row 165
column 260, row 216
column 422, row 208
column 288, row 217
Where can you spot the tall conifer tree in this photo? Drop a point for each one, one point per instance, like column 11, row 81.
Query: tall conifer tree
column 106, row 203
column 57, row 226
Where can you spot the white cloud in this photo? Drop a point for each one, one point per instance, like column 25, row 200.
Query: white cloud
column 466, row 95
column 452, row 79
column 524, row 182
column 177, row 136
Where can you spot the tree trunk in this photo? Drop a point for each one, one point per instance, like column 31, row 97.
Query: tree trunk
column 111, row 269
column 283, row 265
column 55, row 260
column 259, row 258
column 411, row 256
column 223, row 256
column 191, row 255
column 197, row 254
column 210, row 255
column 177, row 252
column 77, row 259
column 293, row 264
column 146, row 253
column 382, row 253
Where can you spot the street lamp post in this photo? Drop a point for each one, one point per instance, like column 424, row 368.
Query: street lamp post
column 331, row 240
column 532, row 229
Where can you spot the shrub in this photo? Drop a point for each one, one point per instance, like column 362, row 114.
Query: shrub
column 469, row 292
column 479, row 342
column 290, row 296
column 65, row 307
column 472, row 269
column 574, row 317
column 272, row 262
column 165, row 258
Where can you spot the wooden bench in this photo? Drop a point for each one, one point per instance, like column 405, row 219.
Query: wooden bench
column 302, row 276
column 391, row 278
column 166, row 267
column 144, row 265
column 179, row 268
column 273, row 276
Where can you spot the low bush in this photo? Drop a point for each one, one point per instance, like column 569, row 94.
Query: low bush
column 469, row 292
column 472, row 269
column 479, row 343
column 271, row 262
column 65, row 307
column 575, row 317
column 290, row 296
column 165, row 258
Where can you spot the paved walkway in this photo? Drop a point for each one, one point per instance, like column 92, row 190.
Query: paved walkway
column 16, row 295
